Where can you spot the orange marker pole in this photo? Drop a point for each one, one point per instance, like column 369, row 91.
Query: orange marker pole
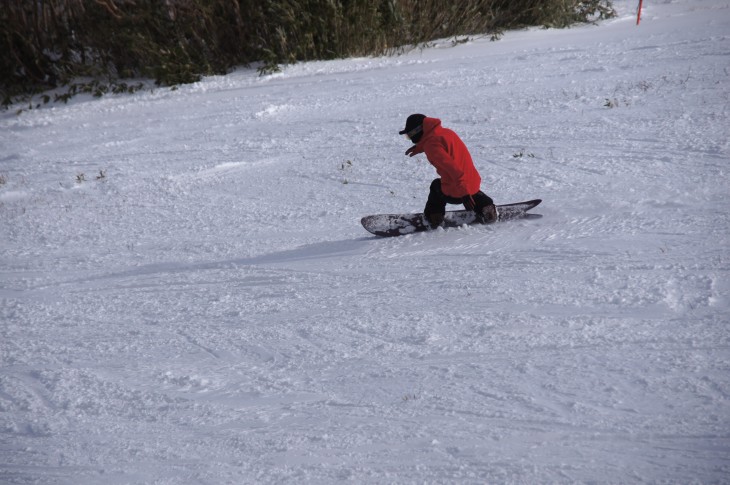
column 638, row 15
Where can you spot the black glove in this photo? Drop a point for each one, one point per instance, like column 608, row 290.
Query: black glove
column 469, row 203
column 410, row 151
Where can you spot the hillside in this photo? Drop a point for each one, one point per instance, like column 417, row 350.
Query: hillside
column 187, row 296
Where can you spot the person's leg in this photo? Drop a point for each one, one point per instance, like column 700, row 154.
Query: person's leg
column 435, row 205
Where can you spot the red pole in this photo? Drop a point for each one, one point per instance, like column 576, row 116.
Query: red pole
column 638, row 15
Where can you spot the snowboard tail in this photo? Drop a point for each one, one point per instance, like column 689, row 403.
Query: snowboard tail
column 389, row 225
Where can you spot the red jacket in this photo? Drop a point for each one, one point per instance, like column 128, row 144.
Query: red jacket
column 445, row 151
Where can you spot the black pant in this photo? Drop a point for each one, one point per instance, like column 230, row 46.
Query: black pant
column 437, row 200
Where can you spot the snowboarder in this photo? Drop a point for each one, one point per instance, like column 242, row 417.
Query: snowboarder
column 459, row 181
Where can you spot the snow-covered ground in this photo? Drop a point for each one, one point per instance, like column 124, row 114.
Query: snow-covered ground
column 211, row 311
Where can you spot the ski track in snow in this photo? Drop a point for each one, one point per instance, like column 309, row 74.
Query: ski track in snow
column 210, row 310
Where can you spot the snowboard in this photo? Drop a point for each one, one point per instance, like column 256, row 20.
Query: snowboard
column 389, row 225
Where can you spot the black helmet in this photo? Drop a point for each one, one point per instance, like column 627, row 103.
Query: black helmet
column 414, row 126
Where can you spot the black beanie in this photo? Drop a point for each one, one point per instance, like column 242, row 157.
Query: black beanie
column 413, row 122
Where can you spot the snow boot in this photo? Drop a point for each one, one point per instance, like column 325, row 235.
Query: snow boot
column 434, row 218
column 488, row 214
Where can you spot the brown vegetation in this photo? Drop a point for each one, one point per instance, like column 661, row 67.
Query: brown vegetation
column 47, row 43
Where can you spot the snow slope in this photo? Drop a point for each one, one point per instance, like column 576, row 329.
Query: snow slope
column 210, row 310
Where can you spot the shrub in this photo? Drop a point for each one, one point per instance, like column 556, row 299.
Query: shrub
column 50, row 43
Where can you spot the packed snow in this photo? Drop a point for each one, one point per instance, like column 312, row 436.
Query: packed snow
column 187, row 294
